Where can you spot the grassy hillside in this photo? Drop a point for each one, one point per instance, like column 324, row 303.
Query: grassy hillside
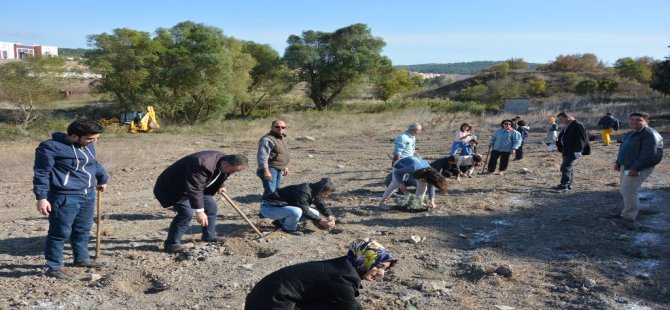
column 465, row 68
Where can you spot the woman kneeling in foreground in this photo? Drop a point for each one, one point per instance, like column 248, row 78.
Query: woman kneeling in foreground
column 323, row 285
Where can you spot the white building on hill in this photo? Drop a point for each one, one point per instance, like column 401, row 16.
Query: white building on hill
column 10, row 50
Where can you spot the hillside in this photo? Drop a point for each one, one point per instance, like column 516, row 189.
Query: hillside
column 556, row 83
column 464, row 68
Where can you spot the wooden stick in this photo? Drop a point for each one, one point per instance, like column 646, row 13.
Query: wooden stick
column 98, row 230
column 260, row 234
column 487, row 158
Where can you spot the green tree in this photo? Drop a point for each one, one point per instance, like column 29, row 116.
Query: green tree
column 390, row 81
column 537, row 87
column 328, row 62
column 270, row 77
column 660, row 79
column 586, row 87
column 499, row 67
column 124, row 60
column 199, row 73
column 517, row 64
column 607, row 87
column 575, row 63
column 31, row 84
column 638, row 69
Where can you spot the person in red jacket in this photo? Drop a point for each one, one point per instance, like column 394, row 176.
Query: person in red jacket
column 322, row 285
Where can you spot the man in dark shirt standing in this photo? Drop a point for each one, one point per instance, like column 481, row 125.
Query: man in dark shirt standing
column 273, row 157
column 608, row 124
column 574, row 143
column 189, row 185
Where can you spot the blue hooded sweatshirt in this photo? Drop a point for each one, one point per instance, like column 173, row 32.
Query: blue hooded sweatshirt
column 65, row 168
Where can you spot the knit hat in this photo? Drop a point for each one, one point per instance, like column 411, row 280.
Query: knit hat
column 364, row 254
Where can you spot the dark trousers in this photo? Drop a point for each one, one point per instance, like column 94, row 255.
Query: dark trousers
column 493, row 161
column 519, row 152
column 567, row 169
column 71, row 218
column 182, row 221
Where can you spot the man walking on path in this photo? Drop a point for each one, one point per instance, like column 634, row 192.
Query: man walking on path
column 189, row 185
column 573, row 142
column 67, row 175
column 640, row 152
column 273, row 157
column 404, row 145
column 608, row 124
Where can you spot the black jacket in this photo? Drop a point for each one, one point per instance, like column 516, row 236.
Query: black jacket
column 301, row 196
column 608, row 122
column 574, row 138
column 191, row 177
column 322, row 285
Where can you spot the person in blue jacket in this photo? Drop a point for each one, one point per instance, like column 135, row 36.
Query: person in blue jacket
column 67, row 175
column 503, row 143
column 421, row 171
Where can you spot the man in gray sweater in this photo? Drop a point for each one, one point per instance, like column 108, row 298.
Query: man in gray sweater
column 273, row 157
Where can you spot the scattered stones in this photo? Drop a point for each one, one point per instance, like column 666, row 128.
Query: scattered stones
column 503, row 307
column 588, row 282
column 248, row 266
column 416, row 239
column 310, row 156
column 94, row 277
column 340, row 166
column 432, row 286
column 524, row 171
column 305, row 138
column 504, row 270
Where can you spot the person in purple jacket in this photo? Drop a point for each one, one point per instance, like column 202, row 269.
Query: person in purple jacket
column 66, row 177
column 189, row 185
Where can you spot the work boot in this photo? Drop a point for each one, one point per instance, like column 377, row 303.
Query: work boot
column 175, row 249
column 63, row 273
column 219, row 240
column 277, row 224
column 91, row 264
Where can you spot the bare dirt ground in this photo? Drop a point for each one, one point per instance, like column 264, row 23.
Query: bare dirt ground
column 493, row 243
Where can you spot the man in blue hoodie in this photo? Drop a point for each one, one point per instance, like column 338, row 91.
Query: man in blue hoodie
column 67, row 175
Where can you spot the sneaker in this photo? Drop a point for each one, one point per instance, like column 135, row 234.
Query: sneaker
column 293, row 232
column 91, row 264
column 62, row 273
column 175, row 249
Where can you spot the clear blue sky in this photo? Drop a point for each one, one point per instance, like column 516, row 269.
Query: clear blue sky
column 439, row 31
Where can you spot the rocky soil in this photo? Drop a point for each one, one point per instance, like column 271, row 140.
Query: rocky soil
column 493, row 243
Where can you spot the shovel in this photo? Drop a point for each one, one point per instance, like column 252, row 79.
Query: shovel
column 260, row 234
column 98, row 229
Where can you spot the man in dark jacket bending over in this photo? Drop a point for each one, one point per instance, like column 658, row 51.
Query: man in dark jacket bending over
column 189, row 185
column 291, row 204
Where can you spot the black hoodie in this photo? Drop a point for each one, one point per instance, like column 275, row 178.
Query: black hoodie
column 301, row 196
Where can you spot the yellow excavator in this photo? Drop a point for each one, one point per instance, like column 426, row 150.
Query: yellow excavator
column 143, row 122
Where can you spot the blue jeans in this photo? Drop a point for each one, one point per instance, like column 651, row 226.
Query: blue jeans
column 271, row 185
column 455, row 146
column 288, row 216
column 71, row 218
column 182, row 221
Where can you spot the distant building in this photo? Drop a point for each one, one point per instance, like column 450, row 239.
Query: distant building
column 9, row 50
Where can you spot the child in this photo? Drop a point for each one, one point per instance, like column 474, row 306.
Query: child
column 461, row 137
column 552, row 134
column 523, row 130
column 467, row 163
column 469, row 148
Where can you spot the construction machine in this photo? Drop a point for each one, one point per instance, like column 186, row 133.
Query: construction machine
column 140, row 121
